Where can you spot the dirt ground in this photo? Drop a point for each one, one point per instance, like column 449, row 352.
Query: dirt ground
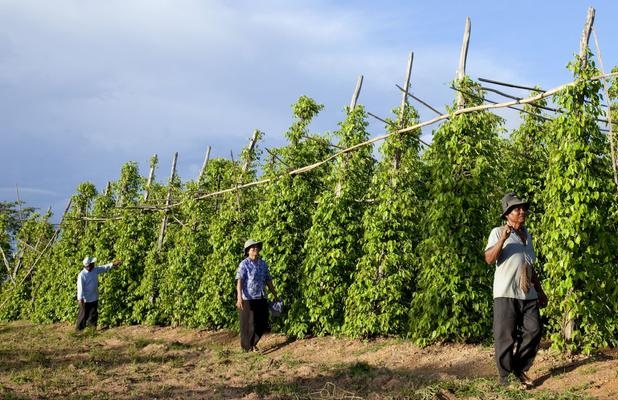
column 52, row 361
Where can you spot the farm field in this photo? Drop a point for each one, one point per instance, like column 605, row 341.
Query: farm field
column 144, row 362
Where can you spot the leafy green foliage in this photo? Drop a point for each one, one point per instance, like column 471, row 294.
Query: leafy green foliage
column 284, row 216
column 185, row 251
column 12, row 216
column 55, row 277
column 333, row 243
column 148, row 307
column 354, row 247
column 453, row 296
column 33, row 237
column 379, row 295
column 133, row 237
column 527, row 162
column 578, row 228
column 235, row 219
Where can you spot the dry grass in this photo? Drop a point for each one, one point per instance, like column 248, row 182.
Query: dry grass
column 138, row 362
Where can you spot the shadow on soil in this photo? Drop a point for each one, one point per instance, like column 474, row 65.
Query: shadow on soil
column 213, row 366
column 571, row 366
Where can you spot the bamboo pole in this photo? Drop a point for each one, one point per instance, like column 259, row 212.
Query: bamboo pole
column 7, row 264
column 463, row 55
column 168, row 200
column 583, row 44
column 248, row 161
column 359, row 84
column 404, row 102
column 537, row 90
column 420, row 101
column 568, row 327
column 153, row 165
column 609, row 112
column 432, row 121
column 250, row 149
column 21, row 211
column 36, row 261
column 406, row 88
column 204, row 165
column 357, row 89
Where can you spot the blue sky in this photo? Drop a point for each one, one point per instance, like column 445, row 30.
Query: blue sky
column 86, row 86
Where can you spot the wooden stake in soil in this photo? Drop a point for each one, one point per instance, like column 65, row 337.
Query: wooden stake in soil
column 569, row 321
column 463, row 55
column 168, row 200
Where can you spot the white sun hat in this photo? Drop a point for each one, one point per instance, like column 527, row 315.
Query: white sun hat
column 88, row 260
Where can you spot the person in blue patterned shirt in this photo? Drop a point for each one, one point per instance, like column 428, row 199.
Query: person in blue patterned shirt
column 252, row 276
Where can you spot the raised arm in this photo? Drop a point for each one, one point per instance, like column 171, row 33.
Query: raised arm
column 492, row 253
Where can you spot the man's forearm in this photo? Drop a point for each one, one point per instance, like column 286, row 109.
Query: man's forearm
column 492, row 254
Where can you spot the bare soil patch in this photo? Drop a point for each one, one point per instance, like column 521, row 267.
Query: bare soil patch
column 140, row 362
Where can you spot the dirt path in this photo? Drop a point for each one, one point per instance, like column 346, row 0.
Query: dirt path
column 51, row 361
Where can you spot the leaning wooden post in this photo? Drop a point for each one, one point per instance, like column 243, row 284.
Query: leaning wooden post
column 406, row 88
column 463, row 56
column 569, row 321
column 168, row 200
column 583, row 44
column 610, row 123
column 252, row 143
column 359, row 85
column 153, row 165
column 404, row 102
column 204, row 166
column 248, row 155
column 357, row 89
column 36, row 261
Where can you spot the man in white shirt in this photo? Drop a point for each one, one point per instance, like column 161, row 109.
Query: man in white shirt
column 88, row 291
column 517, row 293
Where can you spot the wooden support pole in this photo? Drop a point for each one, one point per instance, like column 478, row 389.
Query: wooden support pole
column 404, row 101
column 420, row 101
column 307, row 168
column 359, row 84
column 406, row 88
column 168, row 200
column 249, row 154
column 611, row 137
column 204, row 166
column 583, row 44
column 21, row 211
column 250, row 149
column 153, row 166
column 357, row 89
column 463, row 56
column 568, row 327
column 36, row 261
